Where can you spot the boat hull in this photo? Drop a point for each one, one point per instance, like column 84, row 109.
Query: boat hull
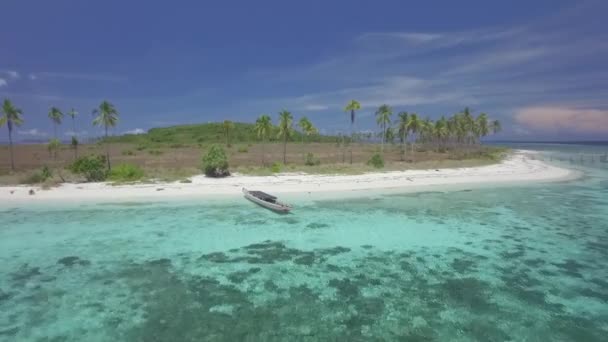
column 277, row 207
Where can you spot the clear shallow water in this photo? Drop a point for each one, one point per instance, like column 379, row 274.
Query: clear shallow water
column 520, row 263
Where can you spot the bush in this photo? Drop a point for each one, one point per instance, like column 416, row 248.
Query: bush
column 128, row 153
column 155, row 152
column 126, row 173
column 310, row 160
column 215, row 162
column 376, row 161
column 38, row 177
column 276, row 167
column 243, row 149
column 93, row 168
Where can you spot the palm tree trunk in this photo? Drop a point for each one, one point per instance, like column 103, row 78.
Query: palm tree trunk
column 404, row 146
column 352, row 123
column 285, row 150
column 383, row 133
column 107, row 150
column 10, row 142
column 263, row 152
column 55, row 129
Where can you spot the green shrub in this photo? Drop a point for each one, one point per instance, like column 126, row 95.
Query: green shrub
column 128, row 153
column 376, row 161
column 243, row 149
column 215, row 162
column 38, row 177
column 141, row 147
column 93, row 167
column 276, row 167
column 126, row 173
column 310, row 160
column 155, row 152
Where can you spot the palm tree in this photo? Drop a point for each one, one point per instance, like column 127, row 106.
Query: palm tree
column 383, row 118
column 304, row 125
column 107, row 116
column 441, row 132
column 11, row 116
column 403, row 132
column 56, row 116
column 481, row 126
column 285, row 129
column 263, row 127
column 351, row 107
column 72, row 113
column 414, row 125
column 228, row 126
column 468, row 124
column 495, row 126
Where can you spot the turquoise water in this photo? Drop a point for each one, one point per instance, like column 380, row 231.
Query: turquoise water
column 517, row 263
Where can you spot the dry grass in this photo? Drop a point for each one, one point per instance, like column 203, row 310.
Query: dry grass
column 179, row 162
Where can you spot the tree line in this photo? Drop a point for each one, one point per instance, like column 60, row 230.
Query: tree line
column 461, row 130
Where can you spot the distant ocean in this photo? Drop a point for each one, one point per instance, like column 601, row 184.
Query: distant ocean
column 519, row 263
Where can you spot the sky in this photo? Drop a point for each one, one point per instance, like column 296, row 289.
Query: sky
column 540, row 67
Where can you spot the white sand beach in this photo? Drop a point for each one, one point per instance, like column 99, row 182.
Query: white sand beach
column 519, row 167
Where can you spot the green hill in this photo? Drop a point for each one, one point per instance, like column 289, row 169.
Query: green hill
column 205, row 134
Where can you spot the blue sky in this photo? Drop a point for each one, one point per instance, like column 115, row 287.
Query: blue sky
column 538, row 66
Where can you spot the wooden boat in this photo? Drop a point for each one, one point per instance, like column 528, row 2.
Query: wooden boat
column 266, row 201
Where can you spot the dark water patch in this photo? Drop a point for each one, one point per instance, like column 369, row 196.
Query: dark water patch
column 470, row 293
column 521, row 228
column 70, row 261
column 534, row 262
column 317, row 225
column 367, row 246
column 333, row 251
column 571, row 268
column 4, row 296
column 307, row 259
column 288, row 220
column 601, row 247
column 217, row 257
column 333, row 268
column 345, row 288
column 509, row 255
column 484, row 330
column 240, row 276
column 587, row 292
column 600, row 282
column 463, row 265
column 576, row 328
column 547, row 273
column 164, row 262
column 25, row 273
column 10, row 331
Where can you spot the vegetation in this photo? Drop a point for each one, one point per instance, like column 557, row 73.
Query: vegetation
column 263, row 128
column 351, row 107
column 106, row 116
column 383, row 119
column 242, row 149
column 92, row 167
column 215, row 162
column 56, row 116
column 228, row 126
column 11, row 116
column 53, row 147
column 310, row 160
column 276, row 167
column 126, row 173
column 74, row 145
column 38, row 177
column 285, row 130
column 376, row 161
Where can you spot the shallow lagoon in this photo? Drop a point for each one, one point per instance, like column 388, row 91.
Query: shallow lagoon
column 519, row 263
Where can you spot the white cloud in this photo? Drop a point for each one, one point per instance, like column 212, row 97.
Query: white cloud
column 78, row 134
column 13, row 74
column 135, row 131
column 315, row 107
column 558, row 118
column 3, row 82
column 79, row 76
column 33, row 77
column 34, row 132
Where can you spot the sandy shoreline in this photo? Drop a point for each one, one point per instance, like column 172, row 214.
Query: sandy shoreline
column 517, row 168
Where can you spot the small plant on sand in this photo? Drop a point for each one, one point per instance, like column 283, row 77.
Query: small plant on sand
column 93, row 168
column 243, row 149
column 215, row 162
column 276, row 167
column 128, row 153
column 126, row 173
column 38, row 177
column 376, row 161
column 310, row 160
